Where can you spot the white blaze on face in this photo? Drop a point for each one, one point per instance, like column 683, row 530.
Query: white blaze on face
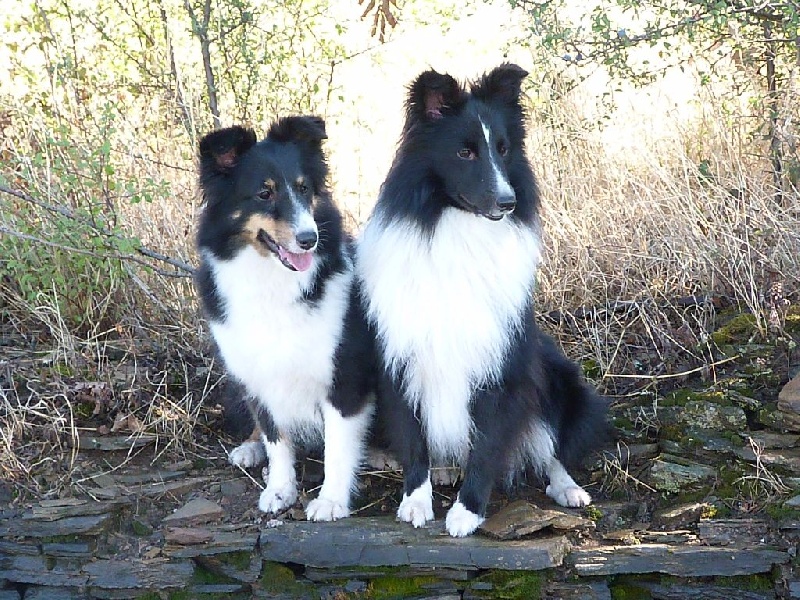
column 502, row 186
column 303, row 219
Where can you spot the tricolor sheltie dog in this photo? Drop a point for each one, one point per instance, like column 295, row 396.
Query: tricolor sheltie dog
column 446, row 265
column 276, row 285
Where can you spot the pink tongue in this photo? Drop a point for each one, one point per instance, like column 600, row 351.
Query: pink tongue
column 301, row 262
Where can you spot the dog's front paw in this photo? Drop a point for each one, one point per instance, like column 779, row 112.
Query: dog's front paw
column 276, row 498
column 323, row 509
column 415, row 511
column 248, row 455
column 572, row 496
column 461, row 521
column 417, row 507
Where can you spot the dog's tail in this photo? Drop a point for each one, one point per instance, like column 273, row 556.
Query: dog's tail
column 576, row 413
column 237, row 418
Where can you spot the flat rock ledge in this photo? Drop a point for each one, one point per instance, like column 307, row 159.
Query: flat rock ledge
column 377, row 541
column 679, row 561
column 57, row 553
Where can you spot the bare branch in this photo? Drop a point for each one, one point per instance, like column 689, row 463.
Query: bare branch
column 63, row 211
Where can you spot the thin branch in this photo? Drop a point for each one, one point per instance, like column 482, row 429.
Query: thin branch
column 681, row 374
column 65, row 212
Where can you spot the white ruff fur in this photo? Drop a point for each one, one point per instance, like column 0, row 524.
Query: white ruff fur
column 279, row 347
column 446, row 309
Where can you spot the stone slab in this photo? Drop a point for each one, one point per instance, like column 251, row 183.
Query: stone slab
column 37, row 570
column 52, row 593
column 732, row 532
column 597, row 590
column 703, row 592
column 29, row 548
column 381, row 541
column 49, row 511
column 198, row 510
column 521, row 518
column 221, row 542
column 68, row 526
column 668, row 475
column 151, row 575
column 680, row 561
column 321, row 575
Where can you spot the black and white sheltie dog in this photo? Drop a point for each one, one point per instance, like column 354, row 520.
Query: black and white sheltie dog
column 275, row 282
column 447, row 265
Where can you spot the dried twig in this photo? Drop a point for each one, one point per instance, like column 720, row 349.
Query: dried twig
column 187, row 270
column 681, row 374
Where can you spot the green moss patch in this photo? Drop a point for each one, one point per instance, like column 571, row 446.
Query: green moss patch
column 398, row 588
column 514, row 585
column 740, row 329
column 280, row 579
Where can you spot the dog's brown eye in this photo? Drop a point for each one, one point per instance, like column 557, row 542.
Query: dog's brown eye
column 466, row 154
column 502, row 149
column 265, row 194
column 302, row 188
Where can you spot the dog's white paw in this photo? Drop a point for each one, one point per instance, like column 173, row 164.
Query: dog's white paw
column 461, row 521
column 415, row 511
column 573, row 496
column 248, row 455
column 276, row 498
column 417, row 508
column 324, row 509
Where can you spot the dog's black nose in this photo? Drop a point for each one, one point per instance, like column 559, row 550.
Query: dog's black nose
column 306, row 239
column 506, row 203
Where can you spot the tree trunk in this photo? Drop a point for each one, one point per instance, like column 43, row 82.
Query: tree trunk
column 201, row 31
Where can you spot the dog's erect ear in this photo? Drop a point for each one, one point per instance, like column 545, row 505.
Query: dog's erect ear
column 298, row 129
column 221, row 150
column 432, row 94
column 502, row 83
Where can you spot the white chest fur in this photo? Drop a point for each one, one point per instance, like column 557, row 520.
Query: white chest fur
column 446, row 308
column 280, row 347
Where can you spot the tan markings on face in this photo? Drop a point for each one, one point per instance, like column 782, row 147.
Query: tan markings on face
column 236, row 214
column 300, row 181
column 279, row 231
column 269, row 184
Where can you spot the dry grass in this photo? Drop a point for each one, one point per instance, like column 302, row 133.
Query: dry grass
column 631, row 228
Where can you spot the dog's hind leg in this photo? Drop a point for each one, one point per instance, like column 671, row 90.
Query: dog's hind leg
column 541, row 450
column 562, row 487
column 344, row 447
column 250, row 453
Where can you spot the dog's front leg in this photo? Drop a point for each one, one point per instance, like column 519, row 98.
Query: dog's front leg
column 344, row 446
column 416, row 506
column 281, row 480
column 487, row 459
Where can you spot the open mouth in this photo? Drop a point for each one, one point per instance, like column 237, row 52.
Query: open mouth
column 296, row 261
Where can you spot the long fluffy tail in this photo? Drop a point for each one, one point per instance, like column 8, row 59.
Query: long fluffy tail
column 237, row 419
column 577, row 414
